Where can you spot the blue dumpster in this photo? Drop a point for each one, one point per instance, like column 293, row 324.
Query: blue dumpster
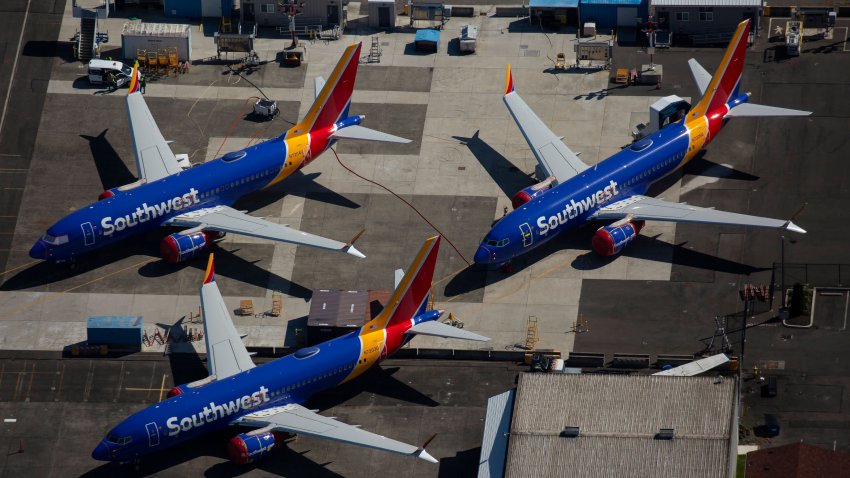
column 427, row 40
column 115, row 330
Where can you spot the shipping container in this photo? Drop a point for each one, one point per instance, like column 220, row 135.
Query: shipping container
column 152, row 37
column 115, row 330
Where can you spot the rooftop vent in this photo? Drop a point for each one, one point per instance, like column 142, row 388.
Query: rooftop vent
column 664, row 434
column 569, row 432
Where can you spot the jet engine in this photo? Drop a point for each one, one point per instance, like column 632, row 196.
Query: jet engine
column 610, row 240
column 181, row 389
column 249, row 447
column 527, row 194
column 182, row 246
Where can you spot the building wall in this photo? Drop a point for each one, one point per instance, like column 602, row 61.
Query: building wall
column 605, row 14
column 314, row 12
column 725, row 20
column 193, row 8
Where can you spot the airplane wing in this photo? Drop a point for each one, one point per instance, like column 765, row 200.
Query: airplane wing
column 226, row 353
column 297, row 419
column 227, row 219
column 154, row 158
column 643, row 208
column 552, row 154
column 752, row 110
column 701, row 77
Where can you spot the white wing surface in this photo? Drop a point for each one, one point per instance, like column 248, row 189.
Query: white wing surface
column 701, row 77
column 643, row 208
column 226, row 353
column 227, row 219
column 154, row 158
column 554, row 157
column 297, row 419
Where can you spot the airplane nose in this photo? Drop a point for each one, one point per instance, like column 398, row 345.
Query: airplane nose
column 38, row 251
column 483, row 255
column 101, row 452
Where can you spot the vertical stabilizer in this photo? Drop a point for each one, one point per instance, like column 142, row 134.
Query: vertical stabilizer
column 725, row 81
column 332, row 102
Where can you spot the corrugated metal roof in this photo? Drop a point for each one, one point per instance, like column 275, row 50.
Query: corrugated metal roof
column 612, row 2
column 706, row 3
column 494, row 446
column 553, row 4
column 338, row 308
column 618, row 417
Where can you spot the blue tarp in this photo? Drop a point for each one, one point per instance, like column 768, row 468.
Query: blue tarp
column 428, row 34
column 633, row 3
column 553, row 4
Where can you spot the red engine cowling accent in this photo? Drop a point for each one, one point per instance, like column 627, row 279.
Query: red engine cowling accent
column 247, row 448
column 175, row 391
column 106, row 194
column 181, row 247
column 610, row 240
column 531, row 192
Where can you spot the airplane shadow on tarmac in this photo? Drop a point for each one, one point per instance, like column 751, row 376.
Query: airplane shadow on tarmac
column 504, row 173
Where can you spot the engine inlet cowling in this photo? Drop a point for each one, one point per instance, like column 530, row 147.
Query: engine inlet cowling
column 532, row 192
column 611, row 240
column 180, row 247
column 247, row 448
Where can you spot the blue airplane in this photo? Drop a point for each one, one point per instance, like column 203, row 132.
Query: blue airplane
column 267, row 400
column 574, row 193
column 200, row 198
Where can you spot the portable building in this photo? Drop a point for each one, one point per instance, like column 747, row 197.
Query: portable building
column 610, row 14
column 705, row 21
column 197, row 8
column 382, row 13
column 324, row 13
column 137, row 36
column 337, row 312
column 557, row 12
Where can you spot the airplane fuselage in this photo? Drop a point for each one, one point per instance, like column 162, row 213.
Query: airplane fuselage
column 150, row 204
column 627, row 173
column 288, row 380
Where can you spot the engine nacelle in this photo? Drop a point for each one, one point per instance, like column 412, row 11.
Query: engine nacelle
column 180, row 247
column 610, row 240
column 181, row 389
column 532, row 192
column 107, row 194
column 249, row 447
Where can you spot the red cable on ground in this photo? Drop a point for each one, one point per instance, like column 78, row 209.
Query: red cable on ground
column 233, row 125
column 404, row 201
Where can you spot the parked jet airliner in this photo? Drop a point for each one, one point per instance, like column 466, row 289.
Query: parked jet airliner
column 199, row 198
column 268, row 398
column 575, row 193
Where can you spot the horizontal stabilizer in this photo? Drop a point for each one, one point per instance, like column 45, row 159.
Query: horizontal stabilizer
column 438, row 329
column 318, row 84
column 750, row 110
column 701, row 77
column 359, row 132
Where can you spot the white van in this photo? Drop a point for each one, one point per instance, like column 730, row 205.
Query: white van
column 100, row 70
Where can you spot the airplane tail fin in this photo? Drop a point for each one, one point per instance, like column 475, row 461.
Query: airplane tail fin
column 724, row 83
column 134, row 80
column 411, row 293
column 332, row 102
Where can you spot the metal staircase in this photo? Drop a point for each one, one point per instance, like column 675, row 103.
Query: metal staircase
column 85, row 40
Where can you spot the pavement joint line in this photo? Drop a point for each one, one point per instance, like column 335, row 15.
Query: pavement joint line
column 32, row 376
column 48, row 298
column 14, row 66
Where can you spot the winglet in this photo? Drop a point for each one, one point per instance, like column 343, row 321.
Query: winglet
column 349, row 246
column 421, row 453
column 134, row 80
column 793, row 227
column 209, row 275
column 509, row 81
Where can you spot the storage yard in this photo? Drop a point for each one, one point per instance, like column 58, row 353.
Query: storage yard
column 63, row 141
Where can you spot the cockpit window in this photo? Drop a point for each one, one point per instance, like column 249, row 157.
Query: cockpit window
column 119, row 440
column 55, row 240
column 502, row 243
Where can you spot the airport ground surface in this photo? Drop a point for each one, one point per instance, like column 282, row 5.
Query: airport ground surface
column 63, row 408
column 658, row 297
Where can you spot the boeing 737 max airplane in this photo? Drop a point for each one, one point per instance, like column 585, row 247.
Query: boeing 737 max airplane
column 575, row 193
column 269, row 398
column 199, row 198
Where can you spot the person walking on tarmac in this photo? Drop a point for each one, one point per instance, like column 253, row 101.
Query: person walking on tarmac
column 142, row 84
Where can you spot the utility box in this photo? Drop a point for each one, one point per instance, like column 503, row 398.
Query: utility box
column 427, row 40
column 468, row 38
column 152, row 37
column 111, row 330
column 382, row 13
